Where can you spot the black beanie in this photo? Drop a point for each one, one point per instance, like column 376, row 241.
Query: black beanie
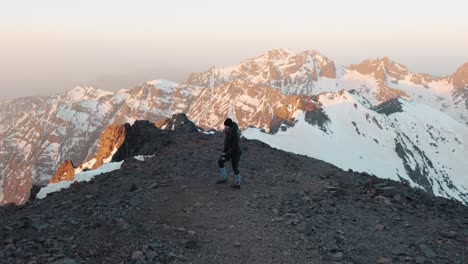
column 228, row 122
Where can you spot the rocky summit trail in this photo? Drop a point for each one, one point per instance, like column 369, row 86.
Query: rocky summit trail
column 291, row 209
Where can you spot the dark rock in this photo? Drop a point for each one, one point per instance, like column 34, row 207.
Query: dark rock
column 191, row 244
column 66, row 261
column 33, row 192
column 154, row 246
column 8, row 228
column 401, row 250
column 179, row 123
column 337, row 256
column 420, row 260
column 318, row 118
column 136, row 255
column 121, row 224
column 309, row 229
column 389, row 107
column 384, row 261
column 154, row 186
column 75, row 186
column 39, row 225
column 151, row 256
column 133, row 187
column 427, row 251
column 449, row 234
column 388, row 191
column 40, row 239
column 141, row 138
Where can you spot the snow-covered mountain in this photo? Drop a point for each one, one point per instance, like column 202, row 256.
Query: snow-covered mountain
column 380, row 80
column 292, row 73
column 37, row 134
column 399, row 139
column 249, row 104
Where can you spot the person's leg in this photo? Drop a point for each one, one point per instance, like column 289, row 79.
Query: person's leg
column 222, row 171
column 235, row 168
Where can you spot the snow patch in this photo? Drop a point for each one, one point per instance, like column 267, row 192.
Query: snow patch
column 83, row 176
column 142, row 157
column 163, row 85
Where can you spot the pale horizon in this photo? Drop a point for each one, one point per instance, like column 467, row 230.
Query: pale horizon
column 50, row 46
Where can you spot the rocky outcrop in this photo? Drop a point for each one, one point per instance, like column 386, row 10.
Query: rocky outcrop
column 119, row 142
column 384, row 70
column 66, row 172
column 179, row 123
column 460, row 78
column 459, row 81
column 109, row 142
column 389, row 107
column 317, row 118
column 141, row 138
column 34, row 191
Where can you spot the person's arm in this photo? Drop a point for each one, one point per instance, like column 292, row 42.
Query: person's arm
column 236, row 141
column 226, row 147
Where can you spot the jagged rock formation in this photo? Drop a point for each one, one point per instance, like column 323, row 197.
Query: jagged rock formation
column 116, row 143
column 460, row 78
column 179, row 123
column 66, row 172
column 110, row 140
column 291, row 209
column 141, row 138
column 249, row 104
column 287, row 71
column 383, row 71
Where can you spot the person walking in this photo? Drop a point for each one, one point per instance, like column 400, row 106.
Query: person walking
column 231, row 152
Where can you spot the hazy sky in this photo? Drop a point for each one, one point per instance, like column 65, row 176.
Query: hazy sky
column 48, row 46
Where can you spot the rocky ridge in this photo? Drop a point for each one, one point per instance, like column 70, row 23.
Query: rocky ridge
column 291, row 209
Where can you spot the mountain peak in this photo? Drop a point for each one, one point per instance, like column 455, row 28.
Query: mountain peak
column 278, row 54
column 153, row 88
column 386, row 64
column 279, row 68
column 460, row 78
column 85, row 92
column 162, row 84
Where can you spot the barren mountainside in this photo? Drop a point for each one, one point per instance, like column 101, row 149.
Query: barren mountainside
column 166, row 208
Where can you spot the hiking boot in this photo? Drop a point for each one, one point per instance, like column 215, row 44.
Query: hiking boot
column 221, row 181
column 235, row 186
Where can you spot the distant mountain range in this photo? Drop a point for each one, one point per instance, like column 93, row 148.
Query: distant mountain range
column 375, row 116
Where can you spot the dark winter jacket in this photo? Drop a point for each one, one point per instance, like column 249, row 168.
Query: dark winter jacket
column 232, row 141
